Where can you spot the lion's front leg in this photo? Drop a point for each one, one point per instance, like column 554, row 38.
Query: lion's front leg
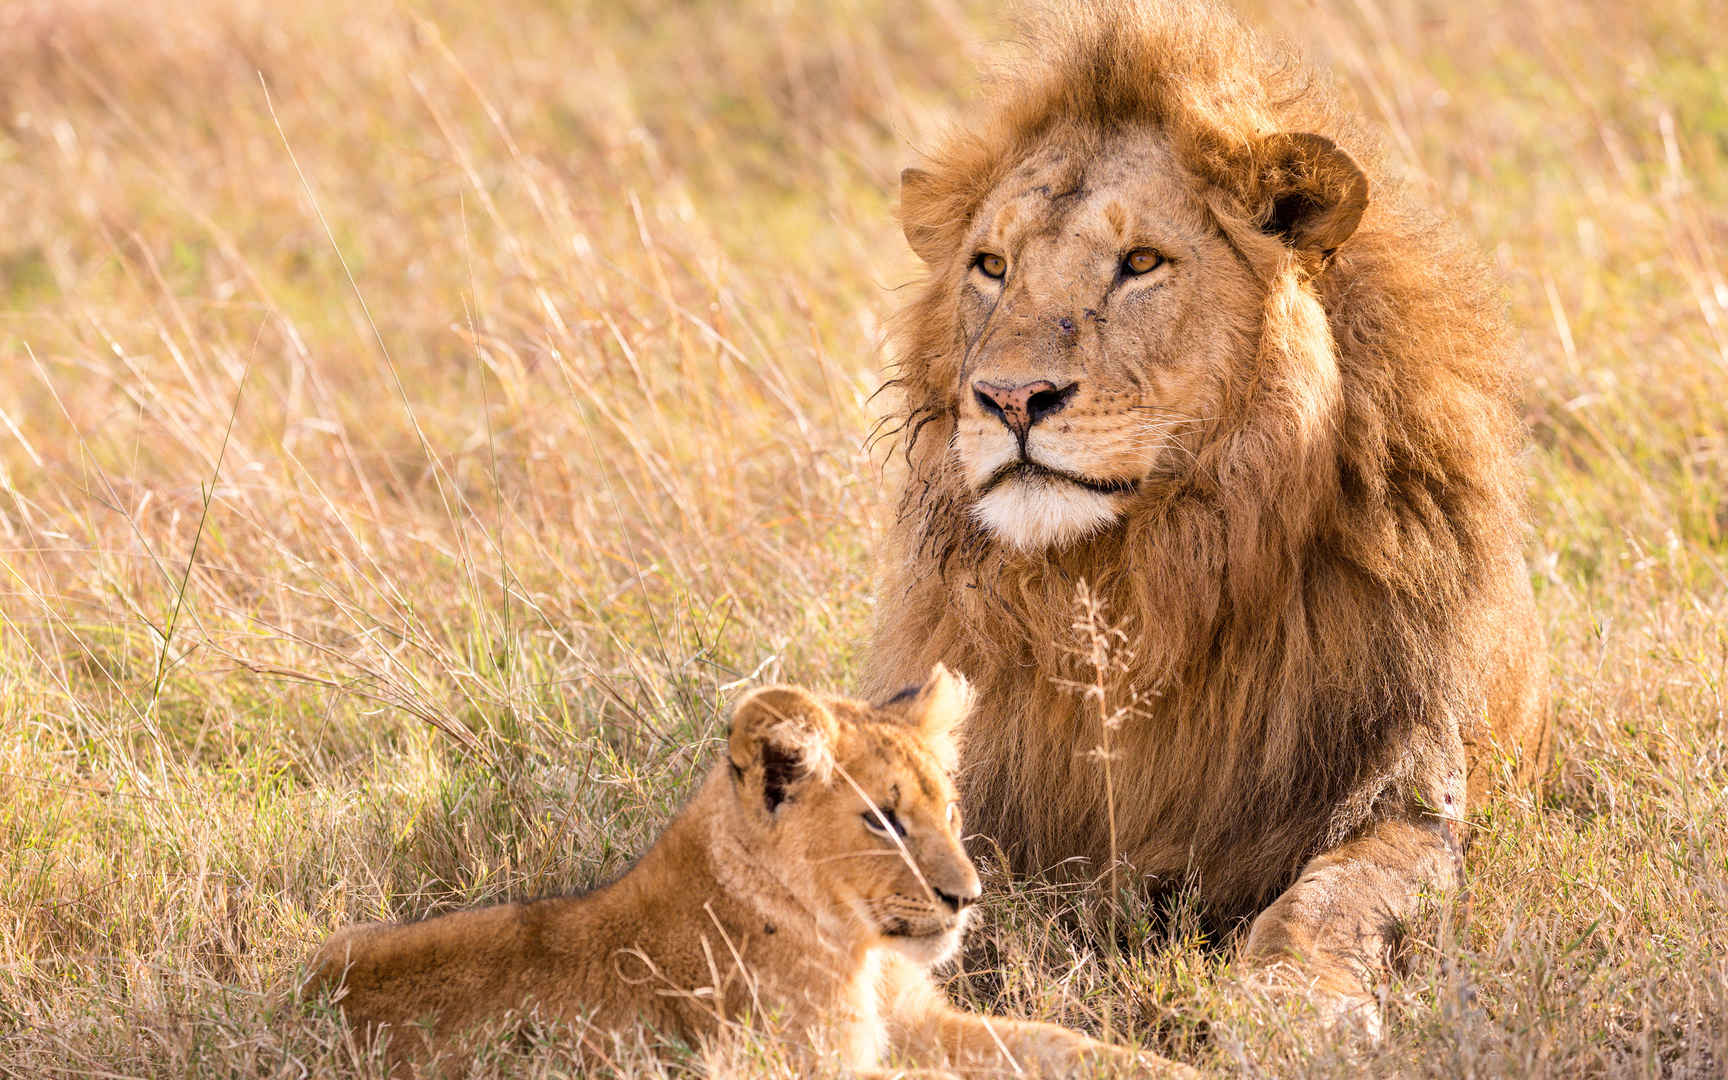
column 1328, row 936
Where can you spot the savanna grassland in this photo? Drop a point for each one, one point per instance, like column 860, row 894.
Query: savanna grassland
column 418, row 420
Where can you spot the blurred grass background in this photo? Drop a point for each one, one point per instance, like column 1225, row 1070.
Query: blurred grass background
column 416, row 421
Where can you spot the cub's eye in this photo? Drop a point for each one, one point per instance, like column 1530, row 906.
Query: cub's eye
column 1142, row 261
column 990, row 264
column 873, row 820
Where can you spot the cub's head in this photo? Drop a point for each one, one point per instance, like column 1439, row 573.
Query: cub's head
column 855, row 806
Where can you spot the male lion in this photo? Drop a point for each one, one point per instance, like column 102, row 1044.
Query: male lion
column 1180, row 344
column 807, row 889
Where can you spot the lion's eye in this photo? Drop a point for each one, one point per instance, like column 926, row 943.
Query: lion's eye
column 990, row 264
column 883, row 822
column 1142, row 261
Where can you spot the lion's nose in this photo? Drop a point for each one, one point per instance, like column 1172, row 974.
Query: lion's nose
column 959, row 901
column 1024, row 405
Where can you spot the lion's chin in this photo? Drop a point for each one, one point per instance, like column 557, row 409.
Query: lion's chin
column 1035, row 513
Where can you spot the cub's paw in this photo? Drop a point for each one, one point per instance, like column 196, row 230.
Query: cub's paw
column 1078, row 1056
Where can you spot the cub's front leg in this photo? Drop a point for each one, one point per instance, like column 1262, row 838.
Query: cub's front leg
column 924, row 1029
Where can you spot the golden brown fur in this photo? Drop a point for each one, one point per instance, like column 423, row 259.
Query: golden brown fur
column 807, row 889
column 1286, row 460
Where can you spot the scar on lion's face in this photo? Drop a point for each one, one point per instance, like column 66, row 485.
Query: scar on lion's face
column 1099, row 312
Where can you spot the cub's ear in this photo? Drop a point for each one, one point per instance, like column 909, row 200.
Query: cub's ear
column 921, row 215
column 939, row 707
column 782, row 737
column 1315, row 190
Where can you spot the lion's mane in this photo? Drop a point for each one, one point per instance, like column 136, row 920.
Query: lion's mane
column 1308, row 608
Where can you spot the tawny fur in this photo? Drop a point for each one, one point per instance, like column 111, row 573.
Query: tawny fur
column 1331, row 628
column 769, row 902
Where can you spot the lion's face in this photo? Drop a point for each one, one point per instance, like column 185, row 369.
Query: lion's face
column 1103, row 314
column 1100, row 314
column 860, row 804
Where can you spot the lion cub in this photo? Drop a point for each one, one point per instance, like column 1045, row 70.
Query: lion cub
column 806, row 890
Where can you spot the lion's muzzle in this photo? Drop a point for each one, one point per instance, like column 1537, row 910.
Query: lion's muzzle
column 1021, row 405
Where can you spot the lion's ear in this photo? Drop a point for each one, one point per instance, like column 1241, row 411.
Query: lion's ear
column 1316, row 193
column 782, row 737
column 920, row 214
column 940, row 704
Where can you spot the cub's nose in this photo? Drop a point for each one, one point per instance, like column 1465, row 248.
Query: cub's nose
column 959, row 901
column 1020, row 406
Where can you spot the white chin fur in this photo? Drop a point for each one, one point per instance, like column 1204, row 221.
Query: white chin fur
column 1035, row 514
column 929, row 951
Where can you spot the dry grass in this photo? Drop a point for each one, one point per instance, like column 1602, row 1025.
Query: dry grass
column 329, row 599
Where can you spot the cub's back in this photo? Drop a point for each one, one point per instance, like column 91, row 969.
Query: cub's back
column 397, row 973
column 464, row 969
